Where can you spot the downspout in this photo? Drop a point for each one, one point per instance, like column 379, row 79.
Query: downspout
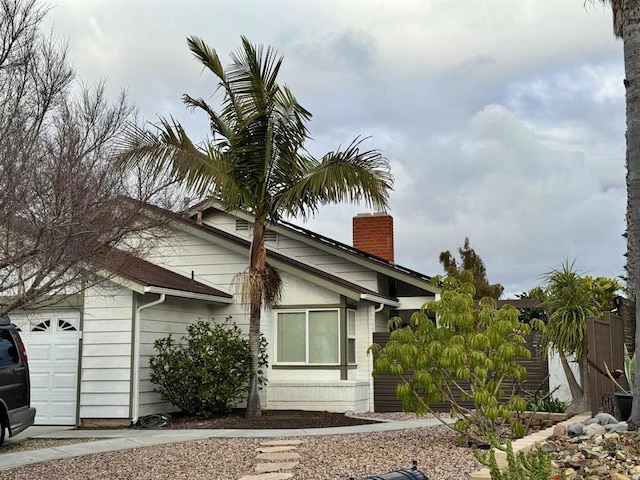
column 136, row 357
column 379, row 309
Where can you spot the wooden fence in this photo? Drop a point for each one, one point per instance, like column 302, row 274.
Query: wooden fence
column 606, row 340
column 384, row 386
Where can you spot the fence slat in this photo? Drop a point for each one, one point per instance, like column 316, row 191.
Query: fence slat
column 384, row 386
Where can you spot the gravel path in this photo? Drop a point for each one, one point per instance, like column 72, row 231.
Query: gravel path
column 324, row 457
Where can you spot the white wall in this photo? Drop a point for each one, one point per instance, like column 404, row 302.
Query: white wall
column 106, row 353
column 170, row 317
column 338, row 396
column 301, row 251
column 557, row 378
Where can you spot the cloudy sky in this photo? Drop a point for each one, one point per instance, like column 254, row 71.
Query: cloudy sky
column 503, row 120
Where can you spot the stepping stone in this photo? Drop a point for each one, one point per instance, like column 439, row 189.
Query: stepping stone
column 268, row 476
column 276, row 443
column 283, row 448
column 274, row 467
column 278, row 457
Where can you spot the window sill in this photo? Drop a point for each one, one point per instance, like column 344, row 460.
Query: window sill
column 311, row 367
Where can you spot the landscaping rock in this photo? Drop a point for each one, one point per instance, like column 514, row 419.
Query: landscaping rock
column 611, row 455
column 559, row 431
column 602, row 419
column 593, row 429
column 616, row 427
column 575, row 429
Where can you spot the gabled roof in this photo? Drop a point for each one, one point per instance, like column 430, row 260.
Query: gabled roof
column 329, row 245
column 278, row 260
column 150, row 278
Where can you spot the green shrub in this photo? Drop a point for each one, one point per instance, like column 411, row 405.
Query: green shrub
column 207, row 371
column 544, row 402
column 534, row 465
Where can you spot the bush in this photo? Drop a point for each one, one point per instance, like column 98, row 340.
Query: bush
column 207, row 371
column 541, row 401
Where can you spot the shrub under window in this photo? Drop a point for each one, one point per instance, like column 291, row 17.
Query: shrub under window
column 207, row 371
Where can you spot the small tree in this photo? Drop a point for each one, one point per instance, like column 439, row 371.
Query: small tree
column 569, row 300
column 61, row 201
column 208, row 371
column 470, row 354
column 471, row 261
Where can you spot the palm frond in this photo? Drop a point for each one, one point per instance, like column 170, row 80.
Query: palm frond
column 350, row 176
column 170, row 149
column 218, row 124
column 207, row 56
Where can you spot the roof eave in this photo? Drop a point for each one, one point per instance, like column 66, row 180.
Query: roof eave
column 380, row 300
column 185, row 294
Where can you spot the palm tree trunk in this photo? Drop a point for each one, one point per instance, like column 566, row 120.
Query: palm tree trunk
column 256, row 269
column 631, row 42
column 578, row 401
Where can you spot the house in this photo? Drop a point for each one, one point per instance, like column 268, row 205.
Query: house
column 89, row 357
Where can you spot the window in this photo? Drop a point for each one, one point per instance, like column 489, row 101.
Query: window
column 8, row 350
column 308, row 337
column 351, row 337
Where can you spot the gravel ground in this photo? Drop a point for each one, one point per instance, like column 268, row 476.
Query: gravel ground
column 323, row 457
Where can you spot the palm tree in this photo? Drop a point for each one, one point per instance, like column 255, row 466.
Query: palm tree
column 568, row 301
column 255, row 161
column 626, row 25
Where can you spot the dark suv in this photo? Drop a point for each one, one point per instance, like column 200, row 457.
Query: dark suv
column 16, row 412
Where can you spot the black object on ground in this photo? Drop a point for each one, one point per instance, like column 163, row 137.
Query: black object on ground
column 411, row 473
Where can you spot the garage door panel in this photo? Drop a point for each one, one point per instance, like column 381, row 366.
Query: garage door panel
column 53, row 364
column 37, row 353
column 39, row 381
column 65, row 381
column 66, row 352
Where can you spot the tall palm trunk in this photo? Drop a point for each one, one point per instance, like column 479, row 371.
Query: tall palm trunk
column 630, row 11
column 258, row 261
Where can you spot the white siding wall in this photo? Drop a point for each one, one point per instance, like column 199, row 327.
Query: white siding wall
column 364, row 339
column 170, row 317
column 211, row 264
column 106, row 353
column 297, row 291
column 301, row 251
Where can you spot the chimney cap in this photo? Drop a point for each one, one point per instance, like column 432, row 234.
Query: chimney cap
column 368, row 214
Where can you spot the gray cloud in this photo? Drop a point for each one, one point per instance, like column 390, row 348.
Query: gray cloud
column 501, row 123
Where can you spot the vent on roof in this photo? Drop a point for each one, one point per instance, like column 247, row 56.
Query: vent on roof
column 271, row 237
column 242, row 225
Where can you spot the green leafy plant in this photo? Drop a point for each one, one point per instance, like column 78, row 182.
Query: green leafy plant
column 534, row 465
column 541, row 400
column 207, row 371
column 469, row 355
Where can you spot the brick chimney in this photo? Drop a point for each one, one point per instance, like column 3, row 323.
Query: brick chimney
column 373, row 233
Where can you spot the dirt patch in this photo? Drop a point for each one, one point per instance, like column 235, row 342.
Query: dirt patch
column 270, row 419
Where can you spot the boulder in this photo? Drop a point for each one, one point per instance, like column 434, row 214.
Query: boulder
column 575, row 429
column 602, row 419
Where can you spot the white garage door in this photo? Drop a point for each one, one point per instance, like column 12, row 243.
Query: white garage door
column 52, row 343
